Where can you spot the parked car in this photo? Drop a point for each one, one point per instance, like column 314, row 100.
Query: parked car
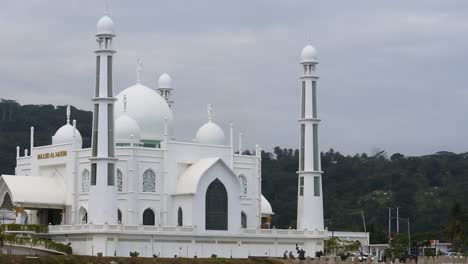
column 360, row 256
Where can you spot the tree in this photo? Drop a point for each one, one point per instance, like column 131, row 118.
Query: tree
column 456, row 226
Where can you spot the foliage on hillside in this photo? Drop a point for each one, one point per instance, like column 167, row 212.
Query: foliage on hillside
column 425, row 188
column 15, row 123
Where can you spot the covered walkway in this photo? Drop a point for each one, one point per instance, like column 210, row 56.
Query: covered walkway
column 35, row 200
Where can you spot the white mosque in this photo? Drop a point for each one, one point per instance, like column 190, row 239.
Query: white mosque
column 139, row 189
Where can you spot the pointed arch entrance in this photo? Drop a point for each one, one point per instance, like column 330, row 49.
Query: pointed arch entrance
column 216, row 206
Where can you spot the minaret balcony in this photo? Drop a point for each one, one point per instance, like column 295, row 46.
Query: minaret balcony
column 308, row 119
column 309, row 76
column 104, row 99
column 105, row 51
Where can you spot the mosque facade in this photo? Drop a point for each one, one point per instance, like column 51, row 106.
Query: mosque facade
column 139, row 189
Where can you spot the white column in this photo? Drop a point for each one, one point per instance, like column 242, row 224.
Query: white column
column 231, row 143
column 240, row 143
column 310, row 197
column 32, row 138
column 102, row 204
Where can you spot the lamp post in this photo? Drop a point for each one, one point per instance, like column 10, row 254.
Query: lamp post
column 409, row 232
column 389, row 224
column 365, row 228
column 409, row 238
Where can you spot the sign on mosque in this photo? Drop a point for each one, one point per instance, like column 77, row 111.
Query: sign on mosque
column 50, row 155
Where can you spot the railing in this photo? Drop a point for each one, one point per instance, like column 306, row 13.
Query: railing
column 36, row 243
column 24, row 228
column 180, row 230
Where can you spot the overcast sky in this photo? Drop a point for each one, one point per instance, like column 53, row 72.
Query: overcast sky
column 393, row 74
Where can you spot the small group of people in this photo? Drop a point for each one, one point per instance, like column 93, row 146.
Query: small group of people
column 300, row 254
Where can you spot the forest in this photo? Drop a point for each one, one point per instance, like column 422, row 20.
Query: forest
column 430, row 190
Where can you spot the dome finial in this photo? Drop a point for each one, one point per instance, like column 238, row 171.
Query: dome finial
column 68, row 114
column 210, row 112
column 106, row 12
column 138, row 70
column 125, row 103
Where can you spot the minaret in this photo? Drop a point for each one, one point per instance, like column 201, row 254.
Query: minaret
column 165, row 88
column 310, row 196
column 102, row 205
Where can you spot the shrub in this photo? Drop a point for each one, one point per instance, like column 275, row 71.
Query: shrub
column 49, row 244
column 134, row 254
column 19, row 227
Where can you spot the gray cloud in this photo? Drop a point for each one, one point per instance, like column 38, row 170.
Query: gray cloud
column 392, row 73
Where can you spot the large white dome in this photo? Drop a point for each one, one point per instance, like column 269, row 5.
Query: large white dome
column 148, row 109
column 64, row 135
column 125, row 127
column 309, row 54
column 211, row 134
column 105, row 26
column 266, row 207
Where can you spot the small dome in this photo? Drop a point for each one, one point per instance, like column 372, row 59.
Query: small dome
column 148, row 109
column 211, row 134
column 105, row 26
column 309, row 54
column 165, row 81
column 65, row 135
column 125, row 127
column 266, row 207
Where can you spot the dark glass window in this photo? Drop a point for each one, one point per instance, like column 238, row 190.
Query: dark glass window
column 301, row 186
column 109, row 76
column 314, row 99
column 148, row 217
column 315, row 148
column 316, row 186
column 95, row 130
column 119, row 216
column 93, row 173
column 180, row 219
column 110, row 130
column 302, row 152
column 110, row 174
column 98, row 72
column 303, row 96
column 216, row 216
column 243, row 220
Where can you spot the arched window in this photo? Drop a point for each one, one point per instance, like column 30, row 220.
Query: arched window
column 85, row 180
column 7, row 203
column 216, row 206
column 148, row 217
column 119, row 216
column 119, row 180
column 83, row 216
column 243, row 220
column 149, row 181
column 180, row 219
column 243, row 181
